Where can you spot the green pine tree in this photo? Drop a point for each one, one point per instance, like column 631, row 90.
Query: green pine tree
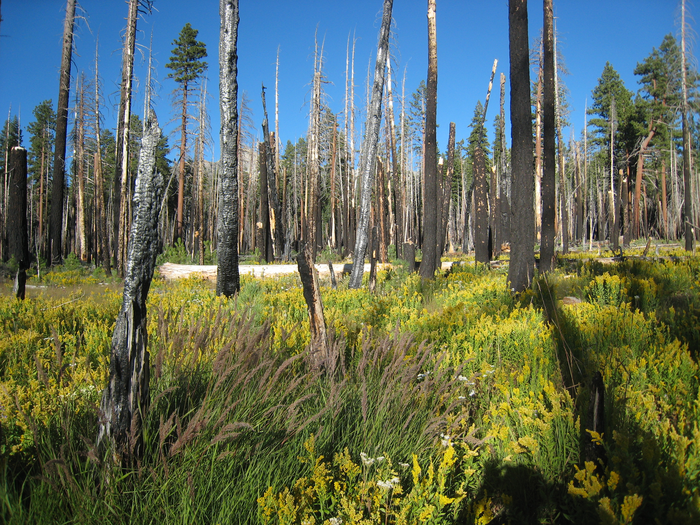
column 187, row 69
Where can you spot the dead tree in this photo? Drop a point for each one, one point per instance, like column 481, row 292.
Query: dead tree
column 430, row 193
column 126, row 398
column 369, row 149
column 275, row 210
column 17, row 235
column 522, row 260
column 227, row 277
column 319, row 349
column 59, row 162
column 550, row 160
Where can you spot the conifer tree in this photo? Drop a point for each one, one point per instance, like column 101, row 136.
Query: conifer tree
column 187, row 69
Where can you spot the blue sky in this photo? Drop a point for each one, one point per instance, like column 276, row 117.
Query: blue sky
column 471, row 34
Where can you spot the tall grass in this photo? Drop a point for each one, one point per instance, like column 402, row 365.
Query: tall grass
column 475, row 400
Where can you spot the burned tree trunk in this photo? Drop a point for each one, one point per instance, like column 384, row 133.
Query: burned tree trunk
column 275, row 211
column 430, row 226
column 369, row 149
column 17, row 235
column 481, row 212
column 59, row 162
column 319, row 349
column 227, row 277
column 550, row 160
column 126, row 398
column 522, row 261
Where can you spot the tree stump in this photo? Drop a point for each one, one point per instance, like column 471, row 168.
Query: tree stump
column 319, row 349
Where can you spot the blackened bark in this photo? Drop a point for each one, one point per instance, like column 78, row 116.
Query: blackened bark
column 481, row 212
column 369, row 149
column 550, row 160
column 122, row 153
column 59, row 161
column 319, row 349
column 522, row 260
column 595, row 422
column 372, row 285
column 227, row 277
column 430, row 226
column 446, row 191
column 275, row 212
column 17, row 235
column 265, row 242
column 126, row 398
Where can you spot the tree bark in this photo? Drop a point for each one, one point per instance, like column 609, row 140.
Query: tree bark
column 481, row 211
column 319, row 349
column 521, row 268
column 125, row 400
column 59, row 163
column 266, row 251
column 446, row 192
column 17, row 234
column 688, row 200
column 430, row 227
column 227, row 278
column 275, row 210
column 549, row 132
column 369, row 148
column 122, row 151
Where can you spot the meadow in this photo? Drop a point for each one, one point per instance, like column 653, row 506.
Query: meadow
column 451, row 401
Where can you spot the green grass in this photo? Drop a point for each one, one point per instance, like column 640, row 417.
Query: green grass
column 483, row 396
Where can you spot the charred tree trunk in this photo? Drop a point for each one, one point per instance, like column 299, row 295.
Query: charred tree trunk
column 266, row 235
column 481, row 211
column 430, row 227
column 227, row 277
column 319, row 349
column 122, row 159
column 446, row 192
column 550, row 148
column 522, row 261
column 126, row 398
column 17, row 235
column 59, row 162
column 275, row 210
column 504, row 205
column 369, row 149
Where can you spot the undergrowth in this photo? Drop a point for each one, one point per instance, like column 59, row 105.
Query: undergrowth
column 451, row 402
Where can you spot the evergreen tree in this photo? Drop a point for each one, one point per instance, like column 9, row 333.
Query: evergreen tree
column 610, row 85
column 41, row 139
column 187, row 69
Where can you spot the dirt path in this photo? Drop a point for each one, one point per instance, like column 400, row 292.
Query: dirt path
column 180, row 271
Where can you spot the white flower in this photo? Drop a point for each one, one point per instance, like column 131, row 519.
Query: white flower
column 404, row 465
column 472, row 393
column 335, row 521
column 445, row 440
column 461, row 398
column 379, row 459
column 462, row 378
column 388, row 484
column 366, row 461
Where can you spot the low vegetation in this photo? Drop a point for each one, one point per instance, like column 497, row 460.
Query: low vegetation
column 451, row 401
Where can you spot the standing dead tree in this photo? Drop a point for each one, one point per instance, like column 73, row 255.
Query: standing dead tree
column 430, row 226
column 126, row 398
column 59, row 162
column 121, row 186
column 319, row 349
column 227, row 277
column 522, row 259
column 550, row 160
column 369, row 149
column 17, row 235
column 277, row 228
